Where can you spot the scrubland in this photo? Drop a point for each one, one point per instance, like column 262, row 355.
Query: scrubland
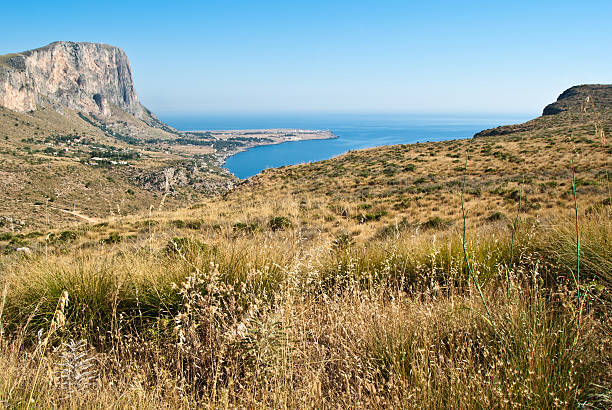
column 461, row 274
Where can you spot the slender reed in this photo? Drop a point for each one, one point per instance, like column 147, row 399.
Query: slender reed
column 577, row 275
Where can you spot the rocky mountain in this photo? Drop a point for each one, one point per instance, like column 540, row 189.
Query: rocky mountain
column 76, row 141
column 578, row 110
column 76, row 144
column 84, row 77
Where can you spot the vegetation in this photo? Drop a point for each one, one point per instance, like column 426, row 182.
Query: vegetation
column 359, row 281
column 69, row 156
column 288, row 318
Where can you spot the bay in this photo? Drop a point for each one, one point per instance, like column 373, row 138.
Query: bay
column 354, row 131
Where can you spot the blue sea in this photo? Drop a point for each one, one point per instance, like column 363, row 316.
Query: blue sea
column 354, row 131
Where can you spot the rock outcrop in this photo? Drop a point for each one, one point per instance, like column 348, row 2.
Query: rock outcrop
column 84, row 77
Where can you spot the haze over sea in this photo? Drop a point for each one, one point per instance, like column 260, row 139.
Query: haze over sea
column 354, row 131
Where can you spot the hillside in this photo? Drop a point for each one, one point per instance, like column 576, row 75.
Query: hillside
column 356, row 282
column 73, row 141
column 77, row 145
column 375, row 192
column 580, row 111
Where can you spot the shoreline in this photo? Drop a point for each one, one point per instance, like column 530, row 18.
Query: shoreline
column 227, row 143
column 265, row 145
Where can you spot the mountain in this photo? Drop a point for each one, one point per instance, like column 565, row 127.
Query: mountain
column 76, row 143
column 577, row 110
column 92, row 79
column 82, row 76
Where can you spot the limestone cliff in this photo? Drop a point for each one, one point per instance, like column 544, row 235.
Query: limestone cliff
column 84, row 77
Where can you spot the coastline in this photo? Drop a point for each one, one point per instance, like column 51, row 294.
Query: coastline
column 227, row 143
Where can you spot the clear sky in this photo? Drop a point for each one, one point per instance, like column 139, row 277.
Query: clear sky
column 336, row 56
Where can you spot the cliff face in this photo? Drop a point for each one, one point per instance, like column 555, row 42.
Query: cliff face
column 84, row 77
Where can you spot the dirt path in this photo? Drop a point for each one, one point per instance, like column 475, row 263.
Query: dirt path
column 78, row 215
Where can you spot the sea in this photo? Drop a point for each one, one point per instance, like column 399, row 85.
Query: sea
column 354, row 131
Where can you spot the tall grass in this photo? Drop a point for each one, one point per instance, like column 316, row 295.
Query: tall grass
column 272, row 320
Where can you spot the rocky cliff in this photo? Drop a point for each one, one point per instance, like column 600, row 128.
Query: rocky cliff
column 84, row 77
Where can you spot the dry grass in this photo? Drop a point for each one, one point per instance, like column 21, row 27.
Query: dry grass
column 342, row 283
column 47, row 169
column 271, row 318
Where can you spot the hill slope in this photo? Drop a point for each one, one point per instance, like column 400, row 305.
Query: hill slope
column 75, row 140
column 582, row 110
column 372, row 191
column 344, row 283
column 375, row 192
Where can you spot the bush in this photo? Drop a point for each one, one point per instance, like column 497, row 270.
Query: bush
column 67, row 236
column 246, row 228
column 6, row 236
column 62, row 237
column 279, row 223
column 193, row 224
column 495, row 216
column 369, row 217
column 178, row 223
column 113, row 237
column 343, row 240
column 184, row 246
column 435, row 223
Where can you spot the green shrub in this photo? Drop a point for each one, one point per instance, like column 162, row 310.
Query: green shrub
column 185, row 246
column 249, row 228
column 66, row 236
column 113, row 237
column 193, row 224
column 279, row 223
column 495, row 216
column 34, row 234
column 343, row 240
column 435, row 223
column 178, row 223
column 374, row 216
column 18, row 241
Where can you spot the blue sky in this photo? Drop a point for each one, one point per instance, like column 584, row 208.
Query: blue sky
column 336, row 56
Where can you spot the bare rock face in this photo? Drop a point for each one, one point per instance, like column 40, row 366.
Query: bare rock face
column 85, row 77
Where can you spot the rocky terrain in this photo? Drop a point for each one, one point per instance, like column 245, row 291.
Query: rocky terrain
column 84, row 77
column 582, row 98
